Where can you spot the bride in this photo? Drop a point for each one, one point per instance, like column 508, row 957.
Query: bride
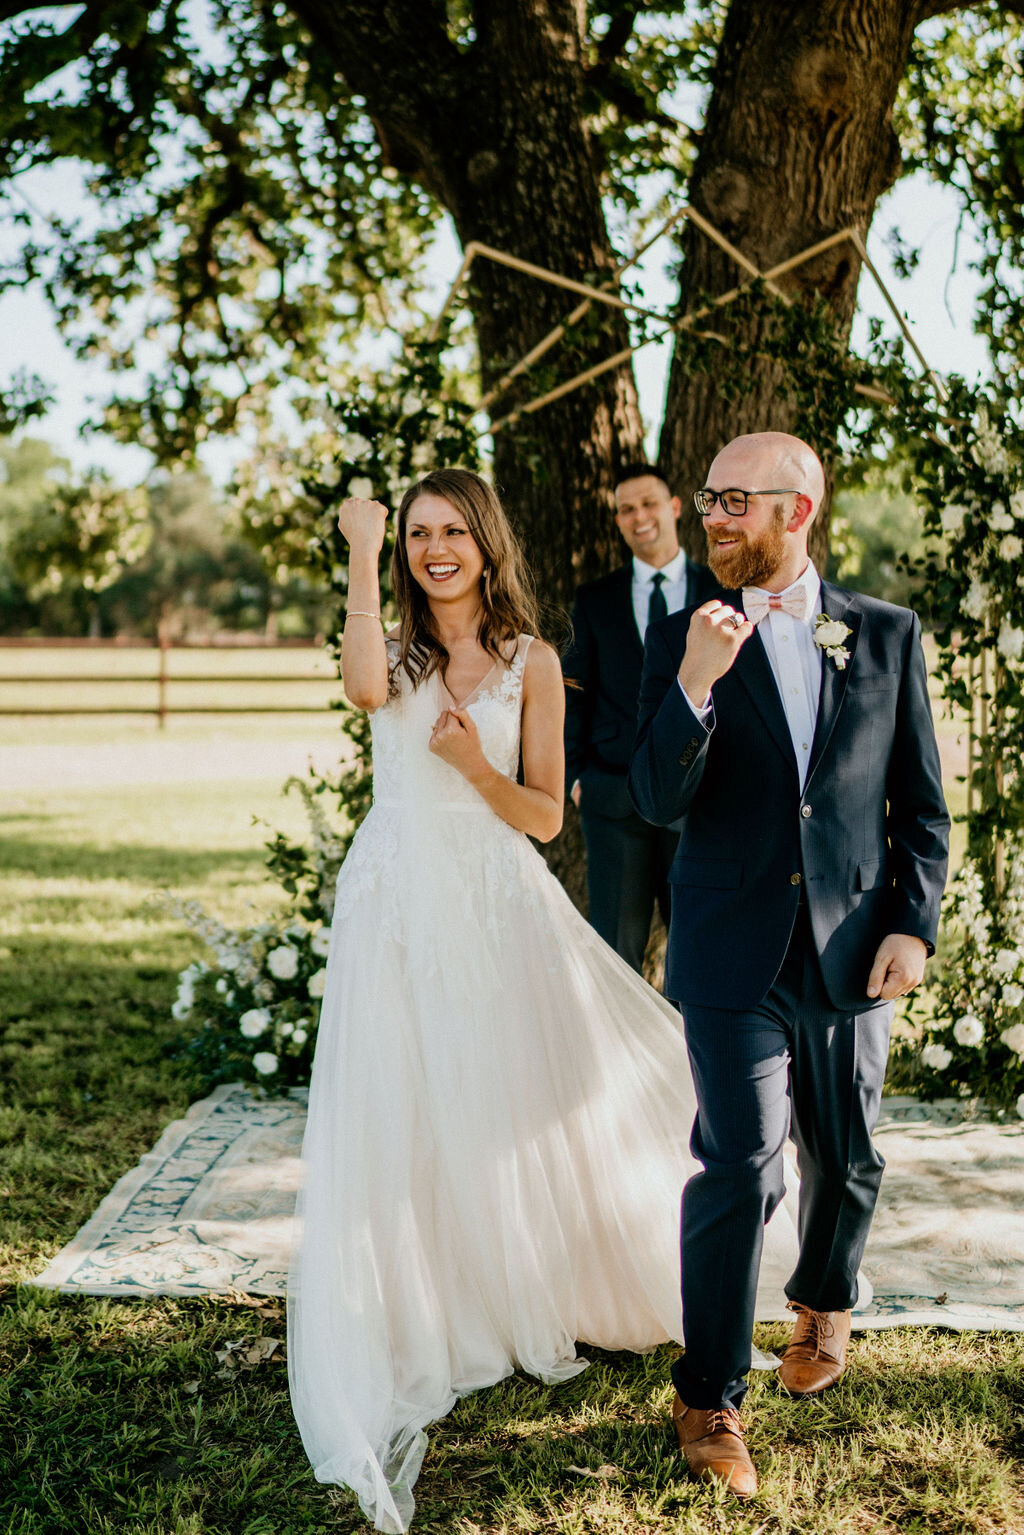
column 500, row 1107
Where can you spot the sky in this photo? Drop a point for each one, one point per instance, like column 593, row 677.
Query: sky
column 938, row 300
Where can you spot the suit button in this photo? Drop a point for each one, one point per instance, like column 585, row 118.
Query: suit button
column 796, row 879
column 805, row 811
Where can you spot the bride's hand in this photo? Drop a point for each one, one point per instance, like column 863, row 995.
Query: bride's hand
column 363, row 523
column 455, row 740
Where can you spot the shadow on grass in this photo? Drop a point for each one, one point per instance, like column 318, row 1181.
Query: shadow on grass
column 151, row 866
column 87, row 1081
column 125, row 1423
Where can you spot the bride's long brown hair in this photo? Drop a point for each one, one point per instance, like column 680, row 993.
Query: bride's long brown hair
column 508, row 604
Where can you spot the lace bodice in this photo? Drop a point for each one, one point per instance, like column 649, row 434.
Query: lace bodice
column 405, row 770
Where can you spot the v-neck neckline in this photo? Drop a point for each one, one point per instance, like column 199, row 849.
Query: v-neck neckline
column 461, row 703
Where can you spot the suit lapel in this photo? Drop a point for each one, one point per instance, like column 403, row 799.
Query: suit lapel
column 625, row 617
column 837, row 604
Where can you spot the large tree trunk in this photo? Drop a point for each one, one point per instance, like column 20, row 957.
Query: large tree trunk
column 496, row 131
column 797, row 145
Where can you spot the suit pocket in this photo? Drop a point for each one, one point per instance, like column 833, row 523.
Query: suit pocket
column 872, row 874
column 707, row 873
column 881, row 682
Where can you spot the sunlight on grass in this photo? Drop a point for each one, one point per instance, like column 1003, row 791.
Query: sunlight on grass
column 123, row 1422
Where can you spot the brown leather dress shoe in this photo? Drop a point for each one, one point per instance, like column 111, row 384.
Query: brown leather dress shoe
column 816, row 1357
column 712, row 1441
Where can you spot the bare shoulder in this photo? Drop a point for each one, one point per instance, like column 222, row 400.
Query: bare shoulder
column 543, row 668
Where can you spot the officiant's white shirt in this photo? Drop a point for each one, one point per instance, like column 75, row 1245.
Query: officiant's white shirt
column 795, row 661
column 676, row 583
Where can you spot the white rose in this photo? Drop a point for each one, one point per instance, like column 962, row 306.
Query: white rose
column 937, row 1057
column 265, row 1063
column 976, row 600
column 1013, row 995
column 968, row 1030
column 953, row 518
column 330, row 474
column 300, row 1036
column 1000, row 520
column 1005, row 962
column 221, row 987
column 411, row 403
column 1010, row 548
column 320, row 943
column 286, row 1029
column 255, row 1022
column 283, row 963
column 354, row 446
column 1013, row 1039
column 181, row 1008
column 1017, row 504
column 317, row 982
column 422, row 457
column 1020, row 1105
column 229, row 960
column 361, row 487
column 831, row 632
column 1010, row 643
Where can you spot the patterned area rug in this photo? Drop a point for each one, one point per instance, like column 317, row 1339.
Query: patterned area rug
column 208, row 1211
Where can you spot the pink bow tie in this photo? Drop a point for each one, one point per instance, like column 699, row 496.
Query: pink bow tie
column 757, row 603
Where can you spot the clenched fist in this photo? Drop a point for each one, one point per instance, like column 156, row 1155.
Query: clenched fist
column 716, row 635
column 363, row 523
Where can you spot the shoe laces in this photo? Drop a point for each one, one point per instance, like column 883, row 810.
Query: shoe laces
column 812, row 1327
column 723, row 1420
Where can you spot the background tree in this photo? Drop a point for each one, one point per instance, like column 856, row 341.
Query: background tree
column 266, row 182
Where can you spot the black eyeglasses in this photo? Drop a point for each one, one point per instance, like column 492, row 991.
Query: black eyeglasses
column 733, row 501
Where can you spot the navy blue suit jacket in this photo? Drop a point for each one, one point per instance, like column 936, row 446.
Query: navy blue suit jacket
column 605, row 657
column 866, row 841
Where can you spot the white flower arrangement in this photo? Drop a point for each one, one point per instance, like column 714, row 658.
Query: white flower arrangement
column 1013, row 1039
column 265, row 1062
column 969, row 1031
column 320, row 943
column 830, row 636
column 283, row 962
column 255, row 1022
column 936, row 1057
column 316, row 984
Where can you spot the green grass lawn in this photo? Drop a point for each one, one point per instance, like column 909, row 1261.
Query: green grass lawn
column 116, row 1416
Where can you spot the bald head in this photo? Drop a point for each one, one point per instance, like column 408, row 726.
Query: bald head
column 770, row 461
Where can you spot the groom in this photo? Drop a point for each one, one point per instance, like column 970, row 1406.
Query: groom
column 786, row 722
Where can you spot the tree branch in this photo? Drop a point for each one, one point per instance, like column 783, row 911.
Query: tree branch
column 398, row 56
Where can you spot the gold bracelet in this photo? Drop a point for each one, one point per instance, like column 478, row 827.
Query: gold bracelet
column 355, row 613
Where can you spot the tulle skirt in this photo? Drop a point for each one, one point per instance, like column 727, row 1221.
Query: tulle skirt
column 497, row 1140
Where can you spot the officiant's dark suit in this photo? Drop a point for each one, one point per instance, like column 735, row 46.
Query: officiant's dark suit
column 627, row 858
column 781, row 896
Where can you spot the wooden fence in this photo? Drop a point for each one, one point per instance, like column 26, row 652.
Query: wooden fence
column 72, row 686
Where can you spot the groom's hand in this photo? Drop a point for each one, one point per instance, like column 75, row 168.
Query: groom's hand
column 714, row 639
column 898, row 967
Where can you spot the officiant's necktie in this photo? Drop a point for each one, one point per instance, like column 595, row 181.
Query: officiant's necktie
column 657, row 607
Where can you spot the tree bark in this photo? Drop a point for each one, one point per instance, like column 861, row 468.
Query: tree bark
column 798, row 144
column 496, row 131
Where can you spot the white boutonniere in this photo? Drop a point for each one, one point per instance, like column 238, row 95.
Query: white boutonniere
column 829, row 634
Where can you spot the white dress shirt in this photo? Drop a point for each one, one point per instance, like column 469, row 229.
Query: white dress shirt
column 795, row 661
column 673, row 587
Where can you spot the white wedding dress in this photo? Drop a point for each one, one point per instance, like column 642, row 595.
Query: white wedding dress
column 498, row 1123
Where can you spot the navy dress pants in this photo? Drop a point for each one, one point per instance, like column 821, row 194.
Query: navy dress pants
column 790, row 1065
column 628, row 861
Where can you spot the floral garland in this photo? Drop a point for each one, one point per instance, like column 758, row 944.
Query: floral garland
column 968, row 471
